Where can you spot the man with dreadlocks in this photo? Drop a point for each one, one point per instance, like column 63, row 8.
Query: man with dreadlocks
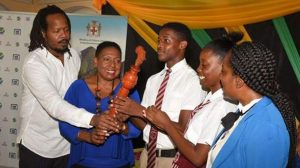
column 262, row 133
column 48, row 71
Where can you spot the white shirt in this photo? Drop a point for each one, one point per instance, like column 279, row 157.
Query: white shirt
column 206, row 123
column 183, row 92
column 46, row 80
column 224, row 137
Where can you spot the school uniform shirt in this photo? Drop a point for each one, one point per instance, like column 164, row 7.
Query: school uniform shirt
column 183, row 92
column 46, row 80
column 206, row 123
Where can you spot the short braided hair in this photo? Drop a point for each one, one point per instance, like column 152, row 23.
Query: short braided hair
column 256, row 65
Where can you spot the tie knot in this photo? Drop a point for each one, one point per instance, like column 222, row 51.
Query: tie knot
column 168, row 71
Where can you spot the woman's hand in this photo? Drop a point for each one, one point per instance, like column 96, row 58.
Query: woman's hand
column 105, row 122
column 98, row 136
column 128, row 106
column 157, row 117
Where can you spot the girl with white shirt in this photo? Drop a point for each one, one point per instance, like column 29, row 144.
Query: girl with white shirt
column 205, row 121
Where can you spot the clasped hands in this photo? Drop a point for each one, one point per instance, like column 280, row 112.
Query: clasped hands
column 105, row 125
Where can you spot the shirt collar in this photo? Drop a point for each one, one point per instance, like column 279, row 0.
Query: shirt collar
column 247, row 106
column 46, row 52
column 212, row 96
column 175, row 68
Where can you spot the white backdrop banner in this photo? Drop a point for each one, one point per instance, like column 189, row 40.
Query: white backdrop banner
column 87, row 33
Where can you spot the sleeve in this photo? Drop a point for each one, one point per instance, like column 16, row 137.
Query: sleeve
column 264, row 138
column 212, row 125
column 193, row 94
column 37, row 78
column 146, row 96
column 69, row 131
column 133, row 131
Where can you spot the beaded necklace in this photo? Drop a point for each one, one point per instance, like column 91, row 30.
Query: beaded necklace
column 98, row 96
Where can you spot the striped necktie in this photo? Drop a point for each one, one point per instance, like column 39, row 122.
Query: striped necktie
column 180, row 161
column 151, row 148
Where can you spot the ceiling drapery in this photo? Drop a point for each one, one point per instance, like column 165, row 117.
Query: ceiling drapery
column 199, row 14
column 203, row 14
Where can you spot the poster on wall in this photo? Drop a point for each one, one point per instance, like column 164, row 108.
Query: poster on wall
column 87, row 33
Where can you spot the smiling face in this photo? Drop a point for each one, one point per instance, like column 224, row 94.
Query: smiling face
column 209, row 70
column 57, row 35
column 108, row 63
column 170, row 48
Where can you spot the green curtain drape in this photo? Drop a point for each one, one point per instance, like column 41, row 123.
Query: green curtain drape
column 288, row 44
column 201, row 37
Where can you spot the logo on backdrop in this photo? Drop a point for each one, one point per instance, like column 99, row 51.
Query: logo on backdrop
column 14, row 106
column 93, row 29
column 15, row 82
column 1, row 55
column 12, row 155
column 2, row 30
column 7, row 69
column 16, row 57
column 8, row 44
column 13, row 131
column 17, row 31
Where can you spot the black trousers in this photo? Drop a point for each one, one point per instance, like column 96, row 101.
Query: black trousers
column 29, row 159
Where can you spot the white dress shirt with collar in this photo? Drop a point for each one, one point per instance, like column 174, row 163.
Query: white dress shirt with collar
column 206, row 123
column 45, row 81
column 183, row 92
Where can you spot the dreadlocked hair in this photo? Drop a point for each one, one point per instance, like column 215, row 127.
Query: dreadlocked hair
column 40, row 25
column 256, row 65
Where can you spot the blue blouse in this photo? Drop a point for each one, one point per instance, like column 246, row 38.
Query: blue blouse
column 117, row 151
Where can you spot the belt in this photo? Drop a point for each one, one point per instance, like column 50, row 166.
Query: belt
column 165, row 152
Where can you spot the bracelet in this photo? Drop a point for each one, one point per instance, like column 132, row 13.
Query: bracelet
column 78, row 138
column 124, row 127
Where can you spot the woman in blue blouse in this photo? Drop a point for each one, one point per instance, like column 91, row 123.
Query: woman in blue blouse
column 95, row 148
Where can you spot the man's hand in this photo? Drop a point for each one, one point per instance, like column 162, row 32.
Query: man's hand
column 128, row 106
column 105, row 122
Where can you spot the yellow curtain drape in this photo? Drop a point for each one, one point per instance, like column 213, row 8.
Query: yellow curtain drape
column 199, row 14
column 206, row 13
